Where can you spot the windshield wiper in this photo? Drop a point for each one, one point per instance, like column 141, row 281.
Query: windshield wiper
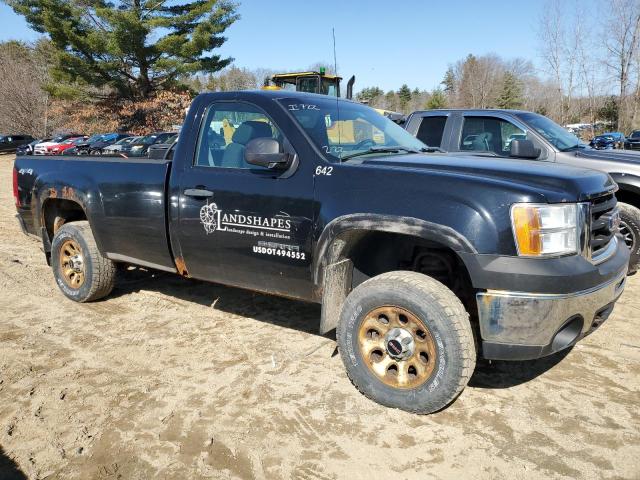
column 429, row 149
column 380, row 150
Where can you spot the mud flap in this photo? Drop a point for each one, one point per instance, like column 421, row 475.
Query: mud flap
column 336, row 287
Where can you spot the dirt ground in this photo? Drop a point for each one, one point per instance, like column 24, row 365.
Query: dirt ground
column 176, row 379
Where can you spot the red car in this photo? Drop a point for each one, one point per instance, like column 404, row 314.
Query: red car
column 59, row 148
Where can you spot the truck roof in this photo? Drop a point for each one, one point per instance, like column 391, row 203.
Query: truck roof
column 275, row 94
column 474, row 110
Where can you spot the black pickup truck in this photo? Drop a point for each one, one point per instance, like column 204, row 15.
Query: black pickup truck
column 530, row 136
column 421, row 261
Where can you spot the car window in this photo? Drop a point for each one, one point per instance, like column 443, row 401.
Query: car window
column 489, row 134
column 431, row 130
column 226, row 131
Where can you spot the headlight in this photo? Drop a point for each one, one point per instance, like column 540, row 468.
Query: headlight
column 546, row 230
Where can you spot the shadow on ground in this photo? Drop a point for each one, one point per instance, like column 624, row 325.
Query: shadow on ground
column 301, row 316
column 9, row 469
column 296, row 315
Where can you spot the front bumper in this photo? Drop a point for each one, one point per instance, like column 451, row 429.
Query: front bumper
column 523, row 326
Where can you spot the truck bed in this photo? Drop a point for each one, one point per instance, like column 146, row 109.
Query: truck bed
column 123, row 199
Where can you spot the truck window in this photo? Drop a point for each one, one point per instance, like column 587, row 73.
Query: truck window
column 489, row 134
column 431, row 130
column 227, row 129
column 339, row 128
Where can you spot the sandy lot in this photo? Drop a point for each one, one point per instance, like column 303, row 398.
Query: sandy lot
column 176, row 379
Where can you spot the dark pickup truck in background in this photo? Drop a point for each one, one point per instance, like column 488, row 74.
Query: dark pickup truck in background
column 411, row 254
column 493, row 132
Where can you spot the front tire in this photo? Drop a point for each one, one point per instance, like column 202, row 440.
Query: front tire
column 406, row 342
column 80, row 270
column 630, row 230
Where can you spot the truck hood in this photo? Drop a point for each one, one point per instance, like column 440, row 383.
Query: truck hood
column 624, row 156
column 559, row 183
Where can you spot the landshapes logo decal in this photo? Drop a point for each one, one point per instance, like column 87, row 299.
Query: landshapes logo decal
column 214, row 219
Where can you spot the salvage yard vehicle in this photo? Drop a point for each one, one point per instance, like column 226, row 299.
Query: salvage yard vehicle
column 27, row 148
column 43, row 148
column 140, row 148
column 421, row 261
column 10, row 143
column 526, row 135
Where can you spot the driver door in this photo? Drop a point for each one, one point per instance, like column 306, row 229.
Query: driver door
column 241, row 224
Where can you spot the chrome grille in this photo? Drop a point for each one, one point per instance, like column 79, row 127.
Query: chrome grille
column 602, row 210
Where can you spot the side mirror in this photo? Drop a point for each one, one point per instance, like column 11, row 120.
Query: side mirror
column 265, row 152
column 524, row 149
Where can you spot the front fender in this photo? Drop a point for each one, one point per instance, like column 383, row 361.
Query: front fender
column 627, row 182
column 326, row 253
column 332, row 269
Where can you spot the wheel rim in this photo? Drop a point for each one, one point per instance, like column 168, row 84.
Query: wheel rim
column 397, row 347
column 628, row 235
column 72, row 266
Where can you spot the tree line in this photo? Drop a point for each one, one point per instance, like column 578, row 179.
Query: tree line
column 134, row 65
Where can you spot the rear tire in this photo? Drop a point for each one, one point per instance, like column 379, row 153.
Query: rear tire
column 434, row 354
column 630, row 230
column 80, row 270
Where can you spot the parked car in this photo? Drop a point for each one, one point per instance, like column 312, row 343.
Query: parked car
column 399, row 246
column 42, row 148
column 545, row 140
column 161, row 151
column 96, row 148
column 83, row 148
column 10, row 143
column 632, row 142
column 603, row 142
column 27, row 149
column 141, row 147
column 62, row 147
column 114, row 149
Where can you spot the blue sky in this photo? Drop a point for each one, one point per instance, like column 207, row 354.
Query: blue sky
column 384, row 43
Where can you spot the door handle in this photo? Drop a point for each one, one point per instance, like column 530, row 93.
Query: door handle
column 198, row 192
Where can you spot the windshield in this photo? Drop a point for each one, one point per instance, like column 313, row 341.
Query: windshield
column 554, row 133
column 635, row 134
column 94, row 138
column 341, row 128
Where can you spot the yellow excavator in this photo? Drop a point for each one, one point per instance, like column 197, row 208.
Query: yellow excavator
column 325, row 84
column 315, row 82
column 311, row 82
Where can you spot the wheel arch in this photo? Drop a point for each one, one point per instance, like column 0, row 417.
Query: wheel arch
column 346, row 240
column 59, row 203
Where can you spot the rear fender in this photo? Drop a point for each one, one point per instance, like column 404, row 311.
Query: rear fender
column 80, row 190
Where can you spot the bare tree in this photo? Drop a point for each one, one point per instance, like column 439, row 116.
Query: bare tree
column 551, row 35
column 621, row 34
column 23, row 76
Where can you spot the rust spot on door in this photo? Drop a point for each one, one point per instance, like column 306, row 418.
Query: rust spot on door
column 181, row 266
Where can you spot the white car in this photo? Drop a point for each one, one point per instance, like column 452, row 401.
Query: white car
column 43, row 147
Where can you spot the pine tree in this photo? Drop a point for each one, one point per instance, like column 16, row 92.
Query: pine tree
column 404, row 96
column 133, row 47
column 511, row 94
column 449, row 82
column 369, row 94
column 437, row 100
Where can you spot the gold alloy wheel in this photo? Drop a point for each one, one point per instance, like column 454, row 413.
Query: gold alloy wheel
column 397, row 347
column 72, row 264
